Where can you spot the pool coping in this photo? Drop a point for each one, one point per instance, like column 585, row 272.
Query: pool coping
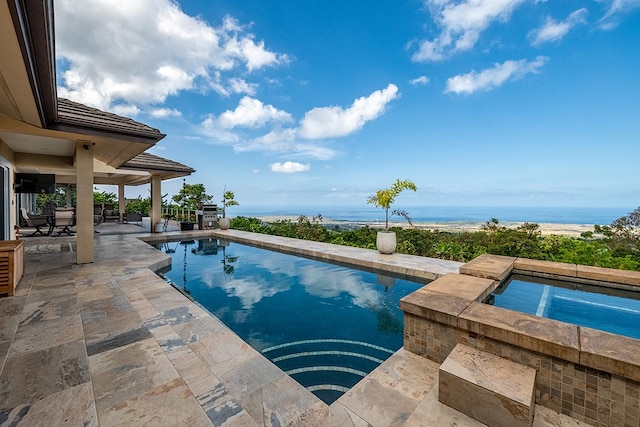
column 402, row 265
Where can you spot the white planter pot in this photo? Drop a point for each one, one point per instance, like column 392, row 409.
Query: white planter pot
column 386, row 242
column 224, row 223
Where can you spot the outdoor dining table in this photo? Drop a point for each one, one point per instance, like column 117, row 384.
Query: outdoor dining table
column 51, row 222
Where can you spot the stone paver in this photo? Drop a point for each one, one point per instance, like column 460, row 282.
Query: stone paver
column 110, row 343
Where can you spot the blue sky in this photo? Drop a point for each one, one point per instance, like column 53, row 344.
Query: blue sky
column 300, row 103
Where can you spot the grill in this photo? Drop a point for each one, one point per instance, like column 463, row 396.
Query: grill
column 209, row 216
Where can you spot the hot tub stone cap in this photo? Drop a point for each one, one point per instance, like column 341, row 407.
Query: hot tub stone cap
column 499, row 267
column 463, row 286
column 495, row 267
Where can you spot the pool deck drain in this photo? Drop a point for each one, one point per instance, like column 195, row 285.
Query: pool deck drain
column 110, row 343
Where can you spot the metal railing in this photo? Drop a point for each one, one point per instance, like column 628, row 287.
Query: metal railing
column 179, row 214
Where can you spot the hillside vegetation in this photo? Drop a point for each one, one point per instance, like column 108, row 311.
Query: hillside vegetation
column 614, row 246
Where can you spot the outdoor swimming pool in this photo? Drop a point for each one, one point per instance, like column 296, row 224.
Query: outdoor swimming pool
column 607, row 309
column 325, row 325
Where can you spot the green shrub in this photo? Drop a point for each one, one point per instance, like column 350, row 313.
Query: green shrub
column 139, row 205
column 524, row 241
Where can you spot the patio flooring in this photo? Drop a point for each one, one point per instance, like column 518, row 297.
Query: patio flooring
column 111, row 343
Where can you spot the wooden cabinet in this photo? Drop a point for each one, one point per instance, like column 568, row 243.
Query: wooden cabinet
column 11, row 265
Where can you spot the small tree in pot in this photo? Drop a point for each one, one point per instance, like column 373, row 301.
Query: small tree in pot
column 228, row 199
column 386, row 240
column 190, row 198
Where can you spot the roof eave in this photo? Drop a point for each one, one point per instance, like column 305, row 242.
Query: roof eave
column 150, row 138
column 33, row 23
column 148, row 169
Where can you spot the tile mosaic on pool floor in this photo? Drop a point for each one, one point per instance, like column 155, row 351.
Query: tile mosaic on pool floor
column 148, row 355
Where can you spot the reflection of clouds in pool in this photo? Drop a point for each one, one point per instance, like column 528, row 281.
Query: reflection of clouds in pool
column 320, row 280
column 251, row 290
column 272, row 262
column 326, row 281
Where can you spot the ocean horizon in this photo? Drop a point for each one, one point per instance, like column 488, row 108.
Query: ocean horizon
column 424, row 214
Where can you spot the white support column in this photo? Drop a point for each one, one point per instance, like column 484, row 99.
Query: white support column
column 84, row 201
column 156, row 201
column 121, row 201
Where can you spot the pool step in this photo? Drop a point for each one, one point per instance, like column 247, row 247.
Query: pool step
column 327, row 367
column 488, row 388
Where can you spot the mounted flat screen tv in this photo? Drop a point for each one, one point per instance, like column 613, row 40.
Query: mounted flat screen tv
column 35, row 183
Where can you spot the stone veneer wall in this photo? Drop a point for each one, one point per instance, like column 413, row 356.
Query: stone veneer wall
column 593, row 396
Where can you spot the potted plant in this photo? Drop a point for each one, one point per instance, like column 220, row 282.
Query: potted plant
column 187, row 220
column 386, row 240
column 228, row 199
column 190, row 198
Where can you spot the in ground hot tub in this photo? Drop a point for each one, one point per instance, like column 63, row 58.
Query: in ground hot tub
column 596, row 306
column 582, row 371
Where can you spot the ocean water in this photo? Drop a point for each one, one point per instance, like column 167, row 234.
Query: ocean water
column 552, row 215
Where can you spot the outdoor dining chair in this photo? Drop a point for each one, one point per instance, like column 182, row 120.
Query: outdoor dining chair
column 32, row 220
column 64, row 219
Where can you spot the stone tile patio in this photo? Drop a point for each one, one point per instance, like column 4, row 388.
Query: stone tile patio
column 110, row 343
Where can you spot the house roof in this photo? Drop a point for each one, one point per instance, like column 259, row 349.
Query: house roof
column 43, row 130
column 150, row 162
column 80, row 118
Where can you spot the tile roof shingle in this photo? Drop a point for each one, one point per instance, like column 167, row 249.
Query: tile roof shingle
column 74, row 113
column 148, row 161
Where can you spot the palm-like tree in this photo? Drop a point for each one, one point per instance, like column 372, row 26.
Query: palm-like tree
column 384, row 198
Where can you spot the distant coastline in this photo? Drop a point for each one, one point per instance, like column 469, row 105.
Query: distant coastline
column 570, row 230
column 447, row 214
column 570, row 221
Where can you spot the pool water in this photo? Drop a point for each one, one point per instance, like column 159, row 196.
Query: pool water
column 606, row 309
column 325, row 325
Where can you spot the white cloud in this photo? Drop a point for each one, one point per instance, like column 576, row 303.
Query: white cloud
column 289, row 167
column 277, row 140
column 422, row 80
column 238, row 127
column 126, row 110
column 251, row 112
column 492, row 78
column 229, row 86
column 326, row 122
column 461, row 23
column 554, row 31
column 238, row 85
column 165, row 112
column 143, row 51
column 284, row 141
column 212, row 129
column 316, row 152
column 616, row 8
column 278, row 136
